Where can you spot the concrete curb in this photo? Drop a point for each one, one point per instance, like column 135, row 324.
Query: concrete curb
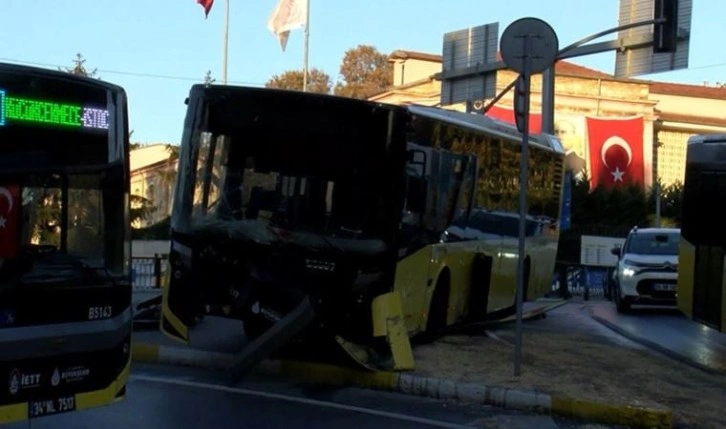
column 657, row 347
column 408, row 383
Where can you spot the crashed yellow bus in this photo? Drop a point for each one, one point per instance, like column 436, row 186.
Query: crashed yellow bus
column 320, row 219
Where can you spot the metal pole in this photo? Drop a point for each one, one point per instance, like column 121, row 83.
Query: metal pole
column 306, row 45
column 499, row 96
column 548, row 100
column 657, row 203
column 523, row 179
column 226, row 43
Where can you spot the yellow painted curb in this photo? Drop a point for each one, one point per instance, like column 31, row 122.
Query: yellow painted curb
column 331, row 374
column 639, row 417
column 141, row 352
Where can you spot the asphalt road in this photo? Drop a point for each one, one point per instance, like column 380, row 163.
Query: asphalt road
column 668, row 331
column 162, row 397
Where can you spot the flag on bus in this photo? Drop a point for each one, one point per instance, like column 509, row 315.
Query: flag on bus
column 9, row 221
column 287, row 15
column 207, row 5
column 616, row 151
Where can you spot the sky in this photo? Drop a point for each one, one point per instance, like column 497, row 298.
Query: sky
column 157, row 49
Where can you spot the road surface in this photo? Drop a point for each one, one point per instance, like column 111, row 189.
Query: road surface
column 163, row 397
column 668, row 331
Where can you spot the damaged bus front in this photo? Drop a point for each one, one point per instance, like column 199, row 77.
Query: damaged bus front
column 285, row 216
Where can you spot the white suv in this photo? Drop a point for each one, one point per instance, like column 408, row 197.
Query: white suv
column 647, row 268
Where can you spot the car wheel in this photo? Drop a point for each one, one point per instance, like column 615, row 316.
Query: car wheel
column 622, row 303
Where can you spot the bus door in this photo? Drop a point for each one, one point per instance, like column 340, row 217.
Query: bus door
column 708, row 280
column 412, row 270
column 708, row 275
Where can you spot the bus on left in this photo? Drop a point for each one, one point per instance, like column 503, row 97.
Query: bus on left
column 65, row 251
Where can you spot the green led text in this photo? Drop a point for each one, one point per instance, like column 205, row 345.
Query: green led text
column 21, row 109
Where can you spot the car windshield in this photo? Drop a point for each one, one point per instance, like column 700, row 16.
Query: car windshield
column 654, row 243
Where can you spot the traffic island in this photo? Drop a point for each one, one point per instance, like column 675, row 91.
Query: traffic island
column 408, row 383
column 572, row 367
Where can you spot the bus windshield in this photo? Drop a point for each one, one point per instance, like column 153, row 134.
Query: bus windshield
column 63, row 226
column 299, row 173
column 273, row 184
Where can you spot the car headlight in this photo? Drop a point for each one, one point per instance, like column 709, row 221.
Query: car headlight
column 628, row 272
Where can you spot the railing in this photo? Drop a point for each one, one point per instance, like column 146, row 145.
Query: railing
column 585, row 282
column 148, row 272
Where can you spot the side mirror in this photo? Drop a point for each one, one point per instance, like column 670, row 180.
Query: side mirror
column 615, row 251
column 417, row 161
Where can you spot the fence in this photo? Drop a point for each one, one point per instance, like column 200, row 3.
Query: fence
column 585, row 282
column 147, row 273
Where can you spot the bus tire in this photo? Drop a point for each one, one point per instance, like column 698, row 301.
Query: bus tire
column 438, row 308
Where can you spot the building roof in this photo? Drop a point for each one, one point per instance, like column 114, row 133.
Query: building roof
column 561, row 67
column 687, row 90
column 572, row 69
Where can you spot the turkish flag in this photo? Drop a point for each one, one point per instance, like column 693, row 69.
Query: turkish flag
column 507, row 115
column 9, row 221
column 616, row 151
column 207, row 5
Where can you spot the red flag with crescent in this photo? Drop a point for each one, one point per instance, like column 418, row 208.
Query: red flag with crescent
column 207, row 5
column 9, row 221
column 616, row 151
column 507, row 115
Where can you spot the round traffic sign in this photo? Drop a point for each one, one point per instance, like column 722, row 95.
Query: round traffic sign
column 529, row 39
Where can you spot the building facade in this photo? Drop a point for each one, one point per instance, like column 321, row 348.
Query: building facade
column 153, row 172
column 602, row 121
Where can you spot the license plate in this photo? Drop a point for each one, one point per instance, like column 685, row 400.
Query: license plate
column 664, row 287
column 47, row 407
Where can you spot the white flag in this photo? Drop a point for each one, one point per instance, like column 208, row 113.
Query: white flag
column 288, row 15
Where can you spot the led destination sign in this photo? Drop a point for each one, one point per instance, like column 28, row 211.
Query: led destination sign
column 17, row 109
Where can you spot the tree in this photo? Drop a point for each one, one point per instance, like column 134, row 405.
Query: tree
column 671, row 201
column 208, row 80
column 79, row 67
column 318, row 81
column 365, row 72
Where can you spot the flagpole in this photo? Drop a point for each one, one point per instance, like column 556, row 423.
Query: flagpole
column 226, row 43
column 305, row 46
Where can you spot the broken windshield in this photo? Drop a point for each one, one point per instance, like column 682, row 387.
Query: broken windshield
column 325, row 190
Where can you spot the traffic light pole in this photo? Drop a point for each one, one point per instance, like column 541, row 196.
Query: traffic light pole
column 579, row 49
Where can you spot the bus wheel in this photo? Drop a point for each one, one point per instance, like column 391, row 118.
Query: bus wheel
column 438, row 309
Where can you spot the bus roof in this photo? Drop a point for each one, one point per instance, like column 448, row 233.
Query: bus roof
column 485, row 124
column 58, row 75
column 221, row 91
column 707, row 138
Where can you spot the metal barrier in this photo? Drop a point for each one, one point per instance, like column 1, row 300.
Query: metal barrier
column 147, row 273
column 586, row 282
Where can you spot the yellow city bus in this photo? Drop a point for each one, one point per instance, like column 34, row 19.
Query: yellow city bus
column 346, row 213
column 701, row 293
column 65, row 253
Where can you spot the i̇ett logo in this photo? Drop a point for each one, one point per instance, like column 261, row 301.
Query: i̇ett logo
column 14, row 382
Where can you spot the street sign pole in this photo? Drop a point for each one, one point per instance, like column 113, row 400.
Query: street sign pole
column 528, row 46
column 523, row 88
